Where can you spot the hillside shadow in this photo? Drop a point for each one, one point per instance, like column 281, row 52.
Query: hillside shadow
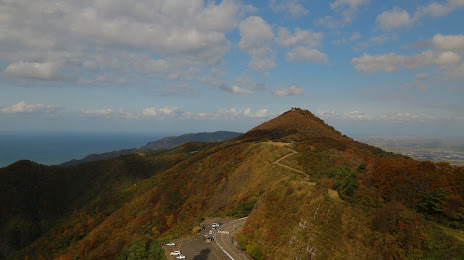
column 203, row 254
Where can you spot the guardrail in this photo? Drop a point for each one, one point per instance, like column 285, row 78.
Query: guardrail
column 225, row 252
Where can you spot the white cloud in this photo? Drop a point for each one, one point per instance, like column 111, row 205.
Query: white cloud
column 299, row 37
column 210, row 80
column 350, row 3
column 398, row 17
column 359, row 115
column 178, row 113
column 244, row 80
column 393, row 19
column 449, row 42
column 293, row 7
column 399, row 116
column 35, row 70
column 445, row 54
column 435, row 9
column 327, row 113
column 96, row 36
column 110, row 113
column 392, row 62
column 99, row 112
column 256, row 37
column 451, row 73
column 305, row 42
column 353, row 115
column 234, row 113
column 258, row 113
column 303, row 53
column 235, row 90
column 344, row 40
column 292, row 90
column 379, row 39
column 347, row 8
column 162, row 111
column 23, row 107
column 329, row 21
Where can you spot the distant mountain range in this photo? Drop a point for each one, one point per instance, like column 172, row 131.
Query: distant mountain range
column 173, row 141
column 161, row 144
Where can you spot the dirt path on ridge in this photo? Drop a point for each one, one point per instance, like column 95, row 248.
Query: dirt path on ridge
column 286, row 166
column 277, row 162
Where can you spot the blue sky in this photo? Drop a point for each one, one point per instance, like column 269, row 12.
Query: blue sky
column 366, row 67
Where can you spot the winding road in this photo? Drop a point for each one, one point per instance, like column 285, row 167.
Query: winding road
column 224, row 235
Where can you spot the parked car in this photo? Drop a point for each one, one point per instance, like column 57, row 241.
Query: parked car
column 175, row 253
column 171, row 244
column 211, row 232
column 214, row 225
column 180, row 257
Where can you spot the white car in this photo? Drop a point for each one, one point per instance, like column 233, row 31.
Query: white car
column 175, row 253
column 211, row 232
column 171, row 244
column 180, row 257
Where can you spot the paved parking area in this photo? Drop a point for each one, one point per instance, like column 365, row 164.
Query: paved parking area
column 197, row 248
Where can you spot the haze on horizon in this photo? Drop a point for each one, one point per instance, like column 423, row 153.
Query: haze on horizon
column 365, row 67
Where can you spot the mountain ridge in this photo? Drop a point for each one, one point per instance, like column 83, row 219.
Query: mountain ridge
column 385, row 208
column 160, row 144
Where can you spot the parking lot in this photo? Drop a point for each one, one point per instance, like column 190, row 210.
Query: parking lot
column 197, row 248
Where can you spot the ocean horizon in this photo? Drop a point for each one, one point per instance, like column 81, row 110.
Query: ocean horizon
column 54, row 148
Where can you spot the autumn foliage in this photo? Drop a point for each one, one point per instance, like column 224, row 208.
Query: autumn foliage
column 342, row 199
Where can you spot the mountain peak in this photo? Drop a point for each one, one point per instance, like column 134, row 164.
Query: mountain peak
column 295, row 124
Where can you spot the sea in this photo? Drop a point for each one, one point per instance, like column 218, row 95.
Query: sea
column 53, row 148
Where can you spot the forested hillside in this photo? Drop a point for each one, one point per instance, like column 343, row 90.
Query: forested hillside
column 307, row 189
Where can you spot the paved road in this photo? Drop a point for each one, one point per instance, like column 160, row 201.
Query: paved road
column 224, row 238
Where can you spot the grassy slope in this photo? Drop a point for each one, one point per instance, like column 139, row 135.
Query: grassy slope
column 293, row 220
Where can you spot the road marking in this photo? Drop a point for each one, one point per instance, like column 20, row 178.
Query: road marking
column 221, row 237
column 223, row 232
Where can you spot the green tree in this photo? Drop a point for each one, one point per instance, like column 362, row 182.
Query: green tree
column 254, row 250
column 432, row 202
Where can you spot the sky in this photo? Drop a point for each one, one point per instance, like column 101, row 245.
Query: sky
column 179, row 66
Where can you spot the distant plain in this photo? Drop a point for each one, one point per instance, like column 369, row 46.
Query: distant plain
column 436, row 149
